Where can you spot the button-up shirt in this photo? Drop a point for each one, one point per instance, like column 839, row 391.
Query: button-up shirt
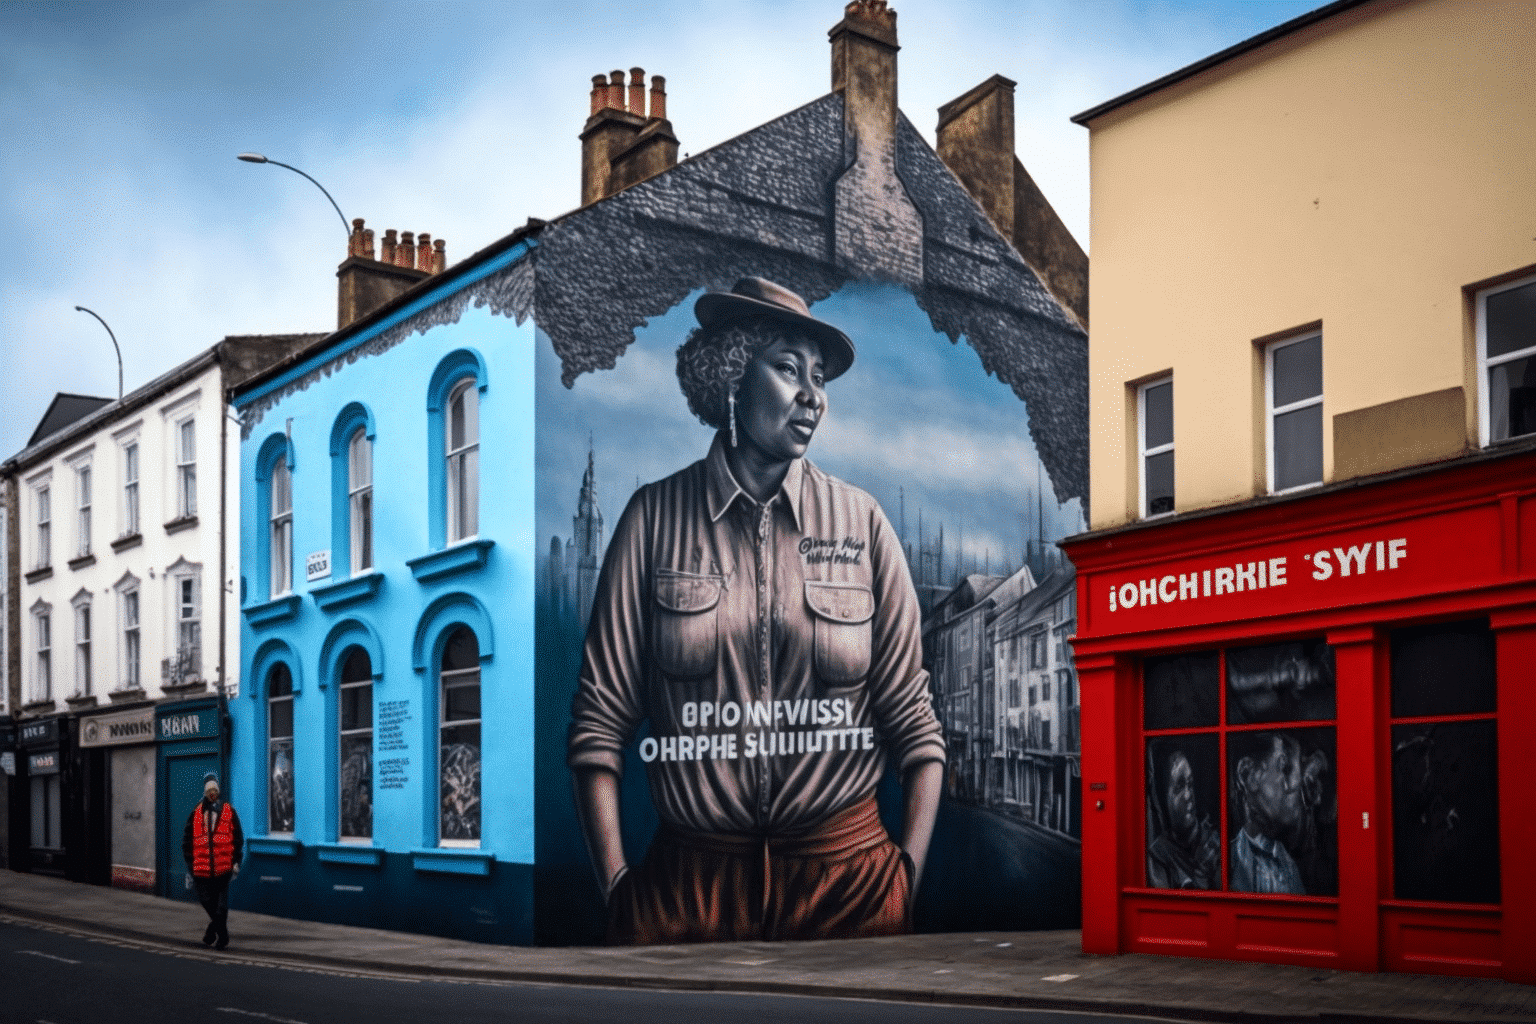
column 774, row 649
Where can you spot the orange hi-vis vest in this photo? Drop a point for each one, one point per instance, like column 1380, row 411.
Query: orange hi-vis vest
column 212, row 855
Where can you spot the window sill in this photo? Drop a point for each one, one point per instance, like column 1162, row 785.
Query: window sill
column 128, row 540
column 184, row 523
column 83, row 561
column 81, row 702
column 274, row 846
column 464, row 556
column 42, row 572
column 447, row 860
column 267, row 613
column 38, row 707
column 349, row 853
column 330, row 596
column 127, row 696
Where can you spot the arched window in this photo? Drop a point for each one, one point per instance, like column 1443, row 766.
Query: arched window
column 463, row 460
column 459, row 740
column 360, row 499
column 280, row 780
column 280, row 525
column 355, row 723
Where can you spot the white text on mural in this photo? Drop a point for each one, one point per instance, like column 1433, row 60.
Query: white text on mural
column 1259, row 574
column 765, row 738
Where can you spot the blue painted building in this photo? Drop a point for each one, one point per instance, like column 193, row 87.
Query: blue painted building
column 387, row 595
column 427, row 493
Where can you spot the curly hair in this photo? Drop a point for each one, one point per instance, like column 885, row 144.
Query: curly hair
column 711, row 361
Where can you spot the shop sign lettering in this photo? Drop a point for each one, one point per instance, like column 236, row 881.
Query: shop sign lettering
column 189, row 724
column 1259, row 574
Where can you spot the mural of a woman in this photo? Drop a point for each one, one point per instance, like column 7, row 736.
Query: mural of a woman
column 758, row 615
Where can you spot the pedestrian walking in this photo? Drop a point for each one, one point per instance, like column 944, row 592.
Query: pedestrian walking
column 212, row 844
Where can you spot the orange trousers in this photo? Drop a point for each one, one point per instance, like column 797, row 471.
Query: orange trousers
column 844, row 878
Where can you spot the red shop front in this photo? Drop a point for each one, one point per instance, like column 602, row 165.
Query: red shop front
column 1307, row 726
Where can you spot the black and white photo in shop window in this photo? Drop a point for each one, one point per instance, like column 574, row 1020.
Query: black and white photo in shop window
column 1183, row 809
column 459, row 746
column 280, row 781
column 1282, row 812
column 355, row 699
column 1284, row 682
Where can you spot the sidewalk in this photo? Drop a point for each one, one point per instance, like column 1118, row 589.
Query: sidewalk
column 1039, row 970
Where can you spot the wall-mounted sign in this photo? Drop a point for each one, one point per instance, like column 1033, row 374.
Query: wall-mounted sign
column 317, row 565
column 137, row 726
column 43, row 764
column 1445, row 552
column 189, row 725
column 8, row 762
column 41, row 733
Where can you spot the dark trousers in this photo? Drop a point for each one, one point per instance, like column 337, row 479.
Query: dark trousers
column 213, row 894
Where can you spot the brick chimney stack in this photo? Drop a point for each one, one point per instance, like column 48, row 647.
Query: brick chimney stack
column 975, row 141
column 876, row 227
column 365, row 283
column 622, row 143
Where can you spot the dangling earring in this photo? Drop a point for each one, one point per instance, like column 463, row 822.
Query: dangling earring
column 731, row 401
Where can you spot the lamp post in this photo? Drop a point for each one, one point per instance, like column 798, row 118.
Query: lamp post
column 257, row 158
column 115, row 348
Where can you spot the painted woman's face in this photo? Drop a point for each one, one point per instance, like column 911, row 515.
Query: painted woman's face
column 1275, row 800
column 781, row 398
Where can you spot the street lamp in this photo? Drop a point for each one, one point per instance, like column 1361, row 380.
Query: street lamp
column 82, row 309
column 257, row 158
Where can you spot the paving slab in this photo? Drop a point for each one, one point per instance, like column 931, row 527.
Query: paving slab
column 1044, row 970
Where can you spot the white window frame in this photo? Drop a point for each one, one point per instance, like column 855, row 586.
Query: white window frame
column 272, row 741
column 184, row 438
column 360, row 500
column 445, row 677
column 343, row 734
column 82, row 470
column 1144, row 453
column 1271, row 412
column 1484, row 364
column 130, row 619
column 83, row 666
column 42, row 650
column 132, row 469
column 463, row 515
column 186, row 618
column 280, row 529
column 42, row 518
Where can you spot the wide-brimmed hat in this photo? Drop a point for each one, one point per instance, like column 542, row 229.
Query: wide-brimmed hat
column 758, row 297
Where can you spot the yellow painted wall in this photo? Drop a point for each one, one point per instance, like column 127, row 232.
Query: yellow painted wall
column 1361, row 172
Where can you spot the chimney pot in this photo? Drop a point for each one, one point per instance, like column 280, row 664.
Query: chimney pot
column 599, row 92
column 405, row 255
column 439, row 256
column 616, row 90
column 355, row 240
column 367, row 243
column 387, row 253
column 637, row 91
column 424, row 252
column 658, row 97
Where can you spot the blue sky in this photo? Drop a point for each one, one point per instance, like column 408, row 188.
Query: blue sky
column 119, row 188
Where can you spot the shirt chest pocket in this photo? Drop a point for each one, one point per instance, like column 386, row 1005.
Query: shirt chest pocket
column 841, row 613
column 685, row 639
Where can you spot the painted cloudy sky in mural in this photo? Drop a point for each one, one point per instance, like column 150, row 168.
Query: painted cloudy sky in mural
column 456, row 118
column 965, row 460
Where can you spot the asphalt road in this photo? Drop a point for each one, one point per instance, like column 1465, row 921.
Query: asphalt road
column 47, row 977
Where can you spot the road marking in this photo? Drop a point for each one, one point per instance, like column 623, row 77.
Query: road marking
column 50, row 956
column 1004, row 945
column 258, row 1014
column 748, row 963
column 1059, row 977
column 943, row 970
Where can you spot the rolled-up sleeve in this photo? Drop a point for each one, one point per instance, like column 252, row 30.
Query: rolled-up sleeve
column 608, row 706
column 899, row 691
